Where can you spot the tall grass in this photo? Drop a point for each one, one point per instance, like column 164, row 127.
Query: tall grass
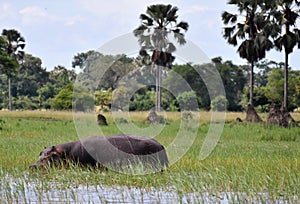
column 254, row 159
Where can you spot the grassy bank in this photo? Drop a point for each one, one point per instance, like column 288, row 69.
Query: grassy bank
column 250, row 158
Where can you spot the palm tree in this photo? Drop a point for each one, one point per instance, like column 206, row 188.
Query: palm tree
column 8, row 65
column 15, row 45
column 285, row 18
column 252, row 30
column 154, row 36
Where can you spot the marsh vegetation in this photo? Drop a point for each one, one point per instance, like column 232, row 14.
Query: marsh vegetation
column 250, row 162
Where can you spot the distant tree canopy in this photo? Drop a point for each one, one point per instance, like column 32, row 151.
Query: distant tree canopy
column 8, row 64
column 37, row 88
column 123, row 82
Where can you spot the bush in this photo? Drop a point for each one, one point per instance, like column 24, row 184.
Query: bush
column 219, row 103
column 64, row 100
column 188, row 101
column 26, row 103
column 143, row 102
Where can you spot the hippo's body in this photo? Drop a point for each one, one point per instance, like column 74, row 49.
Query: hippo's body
column 115, row 151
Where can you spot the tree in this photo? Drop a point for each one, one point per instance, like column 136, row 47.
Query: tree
column 275, row 87
column 101, row 71
column 219, row 103
column 253, row 30
column 62, row 76
column 234, row 81
column 15, row 45
column 103, row 98
column 74, row 97
column 31, row 76
column 45, row 94
column 285, row 18
column 157, row 24
column 8, row 65
column 80, row 60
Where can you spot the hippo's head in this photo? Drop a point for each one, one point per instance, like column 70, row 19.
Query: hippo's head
column 48, row 157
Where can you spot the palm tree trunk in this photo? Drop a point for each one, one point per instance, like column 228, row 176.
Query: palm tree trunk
column 9, row 95
column 158, row 88
column 251, row 84
column 286, row 72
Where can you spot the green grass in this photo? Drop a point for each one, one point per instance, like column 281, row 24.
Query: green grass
column 250, row 158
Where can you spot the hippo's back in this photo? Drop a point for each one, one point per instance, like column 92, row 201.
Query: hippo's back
column 108, row 149
column 137, row 145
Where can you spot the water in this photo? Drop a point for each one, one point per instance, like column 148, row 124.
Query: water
column 17, row 191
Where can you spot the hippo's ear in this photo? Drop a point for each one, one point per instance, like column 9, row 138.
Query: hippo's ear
column 56, row 150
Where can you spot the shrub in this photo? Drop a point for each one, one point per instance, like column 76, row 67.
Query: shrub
column 26, row 103
column 188, row 101
column 64, row 99
column 219, row 103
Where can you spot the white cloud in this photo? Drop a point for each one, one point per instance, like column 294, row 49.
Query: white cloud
column 195, row 9
column 70, row 21
column 33, row 15
column 6, row 11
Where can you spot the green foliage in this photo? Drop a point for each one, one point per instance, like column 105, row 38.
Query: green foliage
column 73, row 97
column 26, row 103
column 274, row 89
column 61, row 76
column 234, row 81
column 143, row 101
column 121, row 97
column 83, row 100
column 219, row 103
column 103, row 97
column 47, row 91
column 8, row 64
column 63, row 100
column 188, row 101
column 181, row 74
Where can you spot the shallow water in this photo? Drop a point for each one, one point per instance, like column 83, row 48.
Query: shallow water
column 18, row 191
column 122, row 194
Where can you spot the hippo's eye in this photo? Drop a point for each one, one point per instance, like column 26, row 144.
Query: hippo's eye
column 47, row 154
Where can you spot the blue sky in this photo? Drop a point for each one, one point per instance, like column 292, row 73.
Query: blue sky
column 55, row 31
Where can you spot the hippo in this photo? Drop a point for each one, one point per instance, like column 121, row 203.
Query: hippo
column 113, row 151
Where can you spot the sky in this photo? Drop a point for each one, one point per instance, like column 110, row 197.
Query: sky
column 55, row 31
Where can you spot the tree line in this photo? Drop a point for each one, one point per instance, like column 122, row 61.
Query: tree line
column 33, row 87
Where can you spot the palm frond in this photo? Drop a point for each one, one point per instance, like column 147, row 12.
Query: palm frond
column 228, row 31
column 232, row 40
column 147, row 19
column 183, row 25
column 228, row 17
column 140, row 30
column 171, row 16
